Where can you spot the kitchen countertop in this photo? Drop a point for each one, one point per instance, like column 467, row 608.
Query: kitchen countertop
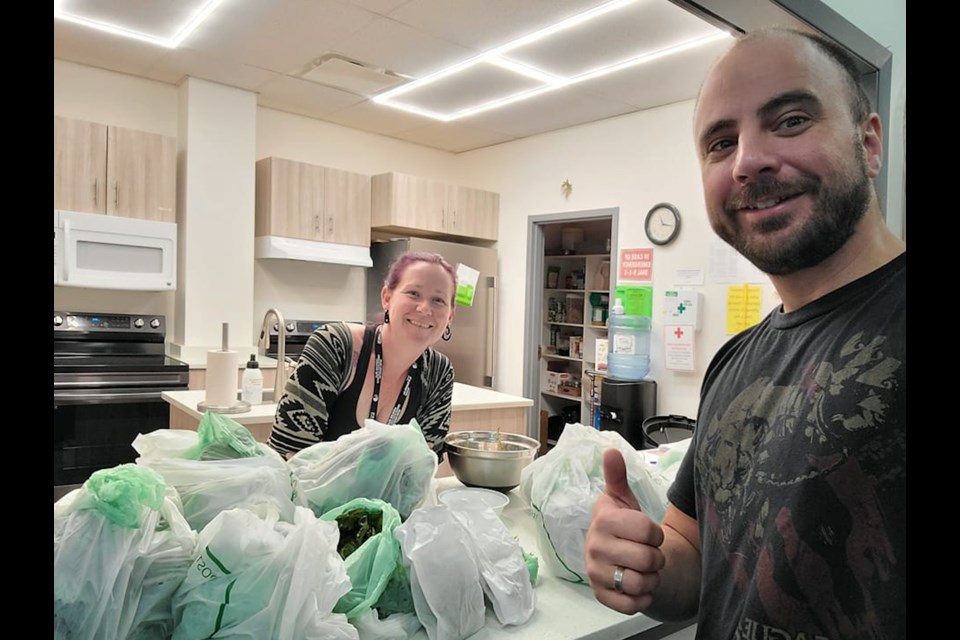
column 564, row 610
column 465, row 398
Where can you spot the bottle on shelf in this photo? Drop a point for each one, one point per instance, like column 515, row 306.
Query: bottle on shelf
column 628, row 349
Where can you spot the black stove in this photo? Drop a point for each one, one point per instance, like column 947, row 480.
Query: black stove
column 297, row 333
column 109, row 370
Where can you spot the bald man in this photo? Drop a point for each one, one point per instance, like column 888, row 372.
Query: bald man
column 788, row 515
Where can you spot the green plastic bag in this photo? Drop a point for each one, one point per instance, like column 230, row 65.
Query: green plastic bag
column 372, row 566
column 222, row 438
column 121, row 493
column 121, row 547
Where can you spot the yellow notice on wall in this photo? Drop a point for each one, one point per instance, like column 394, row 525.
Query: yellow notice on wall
column 743, row 307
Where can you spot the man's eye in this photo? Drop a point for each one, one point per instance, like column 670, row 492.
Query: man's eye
column 792, row 122
column 720, row 145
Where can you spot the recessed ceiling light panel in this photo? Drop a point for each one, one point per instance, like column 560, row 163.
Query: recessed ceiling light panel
column 165, row 24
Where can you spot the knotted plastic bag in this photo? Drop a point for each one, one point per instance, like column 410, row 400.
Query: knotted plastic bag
column 222, row 438
column 373, row 562
column 562, row 487
column 256, row 577
column 392, row 463
column 120, row 549
column 261, row 483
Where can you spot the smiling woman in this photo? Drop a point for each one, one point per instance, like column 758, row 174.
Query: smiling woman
column 388, row 372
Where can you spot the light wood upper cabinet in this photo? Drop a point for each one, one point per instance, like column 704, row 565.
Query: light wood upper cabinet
column 142, row 174
column 309, row 202
column 476, row 213
column 411, row 204
column 111, row 170
column 79, row 165
column 346, row 207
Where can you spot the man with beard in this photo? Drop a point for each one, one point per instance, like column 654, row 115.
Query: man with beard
column 788, row 515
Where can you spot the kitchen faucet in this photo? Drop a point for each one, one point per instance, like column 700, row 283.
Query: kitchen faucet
column 281, row 375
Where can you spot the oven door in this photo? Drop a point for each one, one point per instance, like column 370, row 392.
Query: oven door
column 94, row 428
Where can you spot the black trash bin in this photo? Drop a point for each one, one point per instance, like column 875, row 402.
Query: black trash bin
column 660, row 430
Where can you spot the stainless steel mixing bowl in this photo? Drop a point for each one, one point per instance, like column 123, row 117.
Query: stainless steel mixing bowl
column 488, row 459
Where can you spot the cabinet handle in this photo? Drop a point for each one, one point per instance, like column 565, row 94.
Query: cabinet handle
column 329, row 233
column 96, row 191
column 316, row 223
column 116, row 195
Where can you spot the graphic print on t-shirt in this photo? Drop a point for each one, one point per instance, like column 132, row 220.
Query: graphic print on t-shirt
column 798, row 484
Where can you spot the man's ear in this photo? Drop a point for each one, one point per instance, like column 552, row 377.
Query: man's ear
column 871, row 137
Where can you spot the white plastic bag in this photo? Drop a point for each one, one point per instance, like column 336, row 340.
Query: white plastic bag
column 562, row 487
column 444, row 576
column 503, row 572
column 399, row 626
column 207, row 487
column 392, row 463
column 258, row 577
column 118, row 556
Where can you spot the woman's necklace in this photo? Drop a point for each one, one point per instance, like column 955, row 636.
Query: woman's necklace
column 378, row 376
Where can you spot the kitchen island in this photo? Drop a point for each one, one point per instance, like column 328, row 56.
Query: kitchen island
column 564, row 610
column 473, row 408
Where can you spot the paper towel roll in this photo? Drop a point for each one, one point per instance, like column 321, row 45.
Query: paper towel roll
column 222, row 371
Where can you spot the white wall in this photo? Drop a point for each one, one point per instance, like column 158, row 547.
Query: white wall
column 632, row 162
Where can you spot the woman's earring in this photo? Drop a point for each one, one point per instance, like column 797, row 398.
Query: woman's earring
column 386, row 316
column 447, row 334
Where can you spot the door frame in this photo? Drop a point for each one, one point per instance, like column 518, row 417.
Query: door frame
column 533, row 300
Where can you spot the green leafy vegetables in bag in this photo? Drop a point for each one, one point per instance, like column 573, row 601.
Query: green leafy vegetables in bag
column 356, row 527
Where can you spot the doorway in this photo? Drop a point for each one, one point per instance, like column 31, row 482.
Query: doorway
column 572, row 245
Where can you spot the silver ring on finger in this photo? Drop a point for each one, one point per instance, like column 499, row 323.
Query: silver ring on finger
column 618, row 580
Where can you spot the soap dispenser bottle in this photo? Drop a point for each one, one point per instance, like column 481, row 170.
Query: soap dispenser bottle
column 252, row 383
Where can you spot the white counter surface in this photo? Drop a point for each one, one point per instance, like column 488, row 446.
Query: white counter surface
column 564, row 610
column 465, row 398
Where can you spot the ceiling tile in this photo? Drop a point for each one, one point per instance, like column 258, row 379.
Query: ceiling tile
column 75, row 43
column 555, row 110
column 304, row 98
column 282, row 36
column 485, row 24
column 382, row 7
column 161, row 20
column 453, row 136
column 370, row 116
column 177, row 64
column 671, row 79
column 616, row 36
column 477, row 85
column 394, row 46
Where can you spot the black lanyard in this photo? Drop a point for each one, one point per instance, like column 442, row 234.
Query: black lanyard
column 378, row 375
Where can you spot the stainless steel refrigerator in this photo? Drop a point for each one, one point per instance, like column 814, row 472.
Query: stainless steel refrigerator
column 473, row 345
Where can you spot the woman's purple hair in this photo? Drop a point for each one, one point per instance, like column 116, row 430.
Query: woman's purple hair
column 399, row 266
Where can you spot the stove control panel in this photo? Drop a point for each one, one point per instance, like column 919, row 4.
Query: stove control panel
column 112, row 322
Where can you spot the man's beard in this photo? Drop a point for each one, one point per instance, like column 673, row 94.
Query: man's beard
column 836, row 212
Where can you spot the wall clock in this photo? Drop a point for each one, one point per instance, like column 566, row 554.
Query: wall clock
column 662, row 224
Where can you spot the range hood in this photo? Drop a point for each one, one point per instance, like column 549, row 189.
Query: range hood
column 280, row 248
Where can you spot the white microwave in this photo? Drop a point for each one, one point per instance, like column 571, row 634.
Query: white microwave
column 112, row 252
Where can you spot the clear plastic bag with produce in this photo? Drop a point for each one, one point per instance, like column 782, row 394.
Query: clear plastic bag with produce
column 372, row 557
column 392, row 463
column 120, row 549
column 261, row 483
column 257, row 577
column 562, row 487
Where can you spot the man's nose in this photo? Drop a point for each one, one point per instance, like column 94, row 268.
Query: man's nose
column 756, row 155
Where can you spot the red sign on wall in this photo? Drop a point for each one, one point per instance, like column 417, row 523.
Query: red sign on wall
column 636, row 265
